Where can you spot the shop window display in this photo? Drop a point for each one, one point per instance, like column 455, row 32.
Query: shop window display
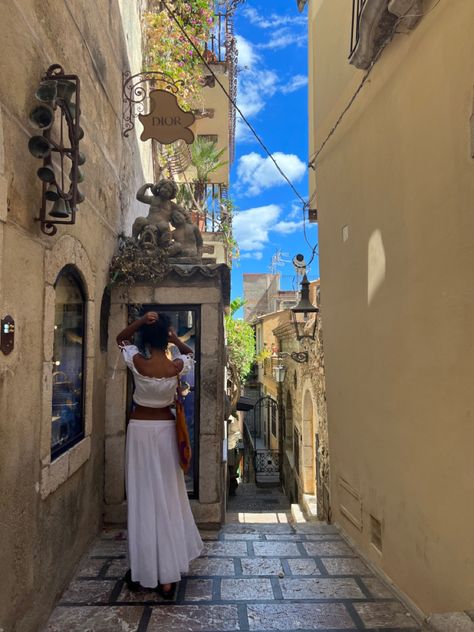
column 68, row 362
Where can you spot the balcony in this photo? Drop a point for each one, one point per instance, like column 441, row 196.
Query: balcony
column 373, row 24
column 221, row 48
column 208, row 203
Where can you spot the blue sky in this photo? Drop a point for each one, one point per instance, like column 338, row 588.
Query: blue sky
column 272, row 42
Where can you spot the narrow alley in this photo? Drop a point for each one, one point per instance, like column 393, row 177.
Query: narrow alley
column 260, row 572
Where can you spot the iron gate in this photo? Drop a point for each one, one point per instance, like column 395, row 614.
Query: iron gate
column 266, row 460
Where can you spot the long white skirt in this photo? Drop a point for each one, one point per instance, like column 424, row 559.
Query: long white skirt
column 162, row 535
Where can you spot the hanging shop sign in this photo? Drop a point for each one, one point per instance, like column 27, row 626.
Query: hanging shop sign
column 152, row 98
column 166, row 122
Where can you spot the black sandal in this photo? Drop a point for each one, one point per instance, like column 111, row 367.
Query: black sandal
column 131, row 585
column 167, row 594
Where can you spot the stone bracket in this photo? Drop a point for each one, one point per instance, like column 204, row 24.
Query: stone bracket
column 376, row 24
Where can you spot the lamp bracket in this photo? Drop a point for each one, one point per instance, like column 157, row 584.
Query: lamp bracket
column 297, row 356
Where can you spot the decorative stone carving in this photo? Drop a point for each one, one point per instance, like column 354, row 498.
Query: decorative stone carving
column 186, row 238
column 153, row 233
column 376, row 24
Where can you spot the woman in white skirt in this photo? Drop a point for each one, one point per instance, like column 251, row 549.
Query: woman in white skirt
column 162, row 535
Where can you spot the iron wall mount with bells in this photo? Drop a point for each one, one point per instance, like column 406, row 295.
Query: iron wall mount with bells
column 7, row 335
column 57, row 117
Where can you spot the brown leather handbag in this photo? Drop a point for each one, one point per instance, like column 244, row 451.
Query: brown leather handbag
column 182, row 433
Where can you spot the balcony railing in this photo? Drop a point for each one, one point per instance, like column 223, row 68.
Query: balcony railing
column 212, row 199
column 357, row 6
column 216, row 47
column 222, row 48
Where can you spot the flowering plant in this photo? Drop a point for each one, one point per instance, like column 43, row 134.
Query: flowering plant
column 169, row 51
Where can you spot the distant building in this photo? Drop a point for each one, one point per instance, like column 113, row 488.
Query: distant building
column 263, row 295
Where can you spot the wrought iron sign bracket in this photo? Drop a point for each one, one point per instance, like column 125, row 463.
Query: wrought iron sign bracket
column 136, row 91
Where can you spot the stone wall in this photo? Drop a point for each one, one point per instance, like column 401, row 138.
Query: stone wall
column 52, row 509
column 304, row 402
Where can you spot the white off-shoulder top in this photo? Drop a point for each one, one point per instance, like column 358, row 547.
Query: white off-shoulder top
column 154, row 392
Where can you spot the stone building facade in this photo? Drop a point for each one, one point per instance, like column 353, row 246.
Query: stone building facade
column 55, row 433
column 51, row 478
column 301, row 435
column 304, row 420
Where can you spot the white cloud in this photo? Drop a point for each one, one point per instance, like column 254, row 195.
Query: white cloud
column 251, row 227
column 257, row 173
column 287, row 227
column 255, row 87
column 258, row 255
column 296, row 210
column 274, row 20
column 247, row 55
column 295, row 83
column 281, row 38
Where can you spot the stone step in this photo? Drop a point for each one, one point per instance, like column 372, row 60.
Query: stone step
column 449, row 622
column 297, row 514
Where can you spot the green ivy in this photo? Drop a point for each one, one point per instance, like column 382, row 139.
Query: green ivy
column 240, row 341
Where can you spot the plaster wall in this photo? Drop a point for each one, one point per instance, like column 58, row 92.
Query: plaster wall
column 51, row 511
column 395, row 197
column 215, row 99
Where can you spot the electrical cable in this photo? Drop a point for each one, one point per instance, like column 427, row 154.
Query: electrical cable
column 249, row 125
column 363, row 82
column 353, row 98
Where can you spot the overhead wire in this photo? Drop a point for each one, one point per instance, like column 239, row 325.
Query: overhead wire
column 249, row 125
column 332, row 131
column 226, row 92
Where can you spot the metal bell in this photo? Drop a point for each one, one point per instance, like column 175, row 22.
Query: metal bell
column 47, row 90
column 65, row 89
column 80, row 175
column 42, row 117
column 81, row 158
column 72, row 109
column 61, row 209
column 80, row 197
column 39, row 146
column 46, row 174
column 52, row 193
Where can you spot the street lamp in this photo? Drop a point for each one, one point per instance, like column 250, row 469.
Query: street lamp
column 279, row 373
column 300, row 313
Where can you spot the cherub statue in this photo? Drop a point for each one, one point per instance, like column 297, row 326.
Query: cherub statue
column 159, row 216
column 187, row 239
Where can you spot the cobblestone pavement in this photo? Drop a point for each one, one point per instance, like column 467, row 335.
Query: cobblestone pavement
column 259, row 573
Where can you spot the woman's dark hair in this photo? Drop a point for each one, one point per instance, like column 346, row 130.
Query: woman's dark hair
column 156, row 335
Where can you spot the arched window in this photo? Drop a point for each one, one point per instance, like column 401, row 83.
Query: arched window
column 68, row 362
